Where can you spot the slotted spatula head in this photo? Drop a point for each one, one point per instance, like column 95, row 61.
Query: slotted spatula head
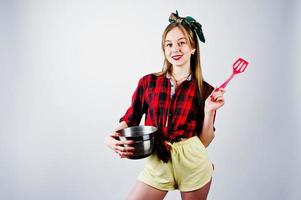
column 239, row 66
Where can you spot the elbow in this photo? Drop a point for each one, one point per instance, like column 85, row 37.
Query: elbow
column 212, row 137
column 207, row 141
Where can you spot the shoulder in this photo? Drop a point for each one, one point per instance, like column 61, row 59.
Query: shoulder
column 149, row 80
column 151, row 77
column 148, row 76
column 208, row 86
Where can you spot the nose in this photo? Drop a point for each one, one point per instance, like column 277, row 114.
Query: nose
column 175, row 48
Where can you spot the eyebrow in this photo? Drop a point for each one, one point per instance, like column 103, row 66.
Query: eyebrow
column 177, row 40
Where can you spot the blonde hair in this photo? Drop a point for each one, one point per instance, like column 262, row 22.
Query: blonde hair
column 195, row 61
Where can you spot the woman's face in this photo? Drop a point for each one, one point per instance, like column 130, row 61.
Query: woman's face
column 176, row 48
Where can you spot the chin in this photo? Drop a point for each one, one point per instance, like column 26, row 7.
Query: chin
column 179, row 64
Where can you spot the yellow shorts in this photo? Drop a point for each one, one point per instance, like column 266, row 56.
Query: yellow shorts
column 189, row 168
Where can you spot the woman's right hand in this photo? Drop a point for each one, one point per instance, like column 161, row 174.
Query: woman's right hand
column 122, row 148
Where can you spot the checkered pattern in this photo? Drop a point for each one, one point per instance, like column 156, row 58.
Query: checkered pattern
column 180, row 116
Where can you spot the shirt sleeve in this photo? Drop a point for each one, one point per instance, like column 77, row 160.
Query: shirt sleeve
column 207, row 91
column 138, row 106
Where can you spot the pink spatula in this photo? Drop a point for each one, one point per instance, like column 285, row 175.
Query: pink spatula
column 239, row 66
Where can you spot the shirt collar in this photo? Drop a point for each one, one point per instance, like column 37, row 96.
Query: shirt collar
column 189, row 78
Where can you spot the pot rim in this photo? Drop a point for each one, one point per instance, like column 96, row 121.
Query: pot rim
column 135, row 131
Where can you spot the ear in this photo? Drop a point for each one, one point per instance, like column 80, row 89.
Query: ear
column 192, row 51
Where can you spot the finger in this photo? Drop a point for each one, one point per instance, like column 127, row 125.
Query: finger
column 220, row 92
column 127, row 154
column 215, row 97
column 128, row 142
column 125, row 142
column 118, row 148
column 220, row 99
column 216, row 91
column 128, row 149
column 124, row 154
column 220, row 102
column 124, row 149
column 218, row 95
column 114, row 134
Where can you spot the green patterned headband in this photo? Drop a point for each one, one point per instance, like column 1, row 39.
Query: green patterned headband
column 188, row 21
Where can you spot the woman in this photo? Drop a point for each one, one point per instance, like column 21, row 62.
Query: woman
column 182, row 105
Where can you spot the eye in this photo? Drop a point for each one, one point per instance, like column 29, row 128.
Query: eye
column 168, row 45
column 182, row 43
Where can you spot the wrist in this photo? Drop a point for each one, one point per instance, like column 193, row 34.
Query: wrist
column 209, row 113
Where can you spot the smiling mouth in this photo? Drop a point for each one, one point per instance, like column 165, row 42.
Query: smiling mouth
column 178, row 57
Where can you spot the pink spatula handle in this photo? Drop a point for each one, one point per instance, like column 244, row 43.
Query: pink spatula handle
column 227, row 81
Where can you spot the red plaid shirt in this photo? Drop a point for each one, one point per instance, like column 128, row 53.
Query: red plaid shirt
column 179, row 116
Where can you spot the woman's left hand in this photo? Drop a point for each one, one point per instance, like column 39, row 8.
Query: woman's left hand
column 215, row 100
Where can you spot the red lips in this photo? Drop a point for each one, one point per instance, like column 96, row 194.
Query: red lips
column 177, row 57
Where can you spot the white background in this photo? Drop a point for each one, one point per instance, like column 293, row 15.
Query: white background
column 69, row 68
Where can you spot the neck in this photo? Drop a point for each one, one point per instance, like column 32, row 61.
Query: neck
column 180, row 71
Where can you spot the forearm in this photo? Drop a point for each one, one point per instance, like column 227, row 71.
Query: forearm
column 207, row 134
column 122, row 148
column 110, row 139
